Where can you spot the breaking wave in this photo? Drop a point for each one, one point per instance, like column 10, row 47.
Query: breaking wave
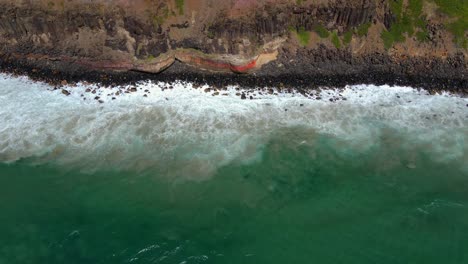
column 190, row 132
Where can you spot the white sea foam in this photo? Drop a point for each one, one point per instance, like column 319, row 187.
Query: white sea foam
column 187, row 131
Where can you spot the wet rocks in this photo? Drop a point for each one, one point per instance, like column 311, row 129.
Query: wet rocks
column 65, row 92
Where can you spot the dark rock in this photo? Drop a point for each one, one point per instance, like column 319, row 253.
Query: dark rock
column 65, row 92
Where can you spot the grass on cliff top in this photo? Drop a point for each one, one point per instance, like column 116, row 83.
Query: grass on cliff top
column 347, row 37
column 180, row 6
column 409, row 21
column 363, row 29
column 322, row 31
column 336, row 40
column 456, row 9
column 304, row 36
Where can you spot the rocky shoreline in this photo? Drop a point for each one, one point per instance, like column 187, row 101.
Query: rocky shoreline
column 287, row 44
column 295, row 77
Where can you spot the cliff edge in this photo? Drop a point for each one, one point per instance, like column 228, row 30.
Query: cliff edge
column 415, row 42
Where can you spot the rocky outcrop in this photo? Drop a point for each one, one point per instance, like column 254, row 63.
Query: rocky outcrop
column 280, row 37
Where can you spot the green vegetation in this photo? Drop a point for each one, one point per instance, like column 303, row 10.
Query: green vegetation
column 458, row 30
column 210, row 35
column 453, row 7
column 157, row 21
column 456, row 9
column 299, row 2
column 335, row 40
column 180, row 6
column 303, row 35
column 160, row 17
column 322, row 31
column 388, row 39
column 363, row 29
column 422, row 36
column 408, row 22
column 347, row 37
column 415, row 7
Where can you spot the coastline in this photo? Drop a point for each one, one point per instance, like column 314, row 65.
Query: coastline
column 301, row 76
column 289, row 44
column 237, row 131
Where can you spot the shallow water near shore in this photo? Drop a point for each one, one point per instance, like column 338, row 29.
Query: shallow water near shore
column 181, row 176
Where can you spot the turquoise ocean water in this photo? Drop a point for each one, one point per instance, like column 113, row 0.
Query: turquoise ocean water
column 181, row 176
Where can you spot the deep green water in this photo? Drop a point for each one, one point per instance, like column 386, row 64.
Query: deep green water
column 322, row 202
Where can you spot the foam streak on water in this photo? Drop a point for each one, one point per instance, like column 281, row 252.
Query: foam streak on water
column 200, row 132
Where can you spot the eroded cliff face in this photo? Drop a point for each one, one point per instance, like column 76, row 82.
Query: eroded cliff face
column 241, row 36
